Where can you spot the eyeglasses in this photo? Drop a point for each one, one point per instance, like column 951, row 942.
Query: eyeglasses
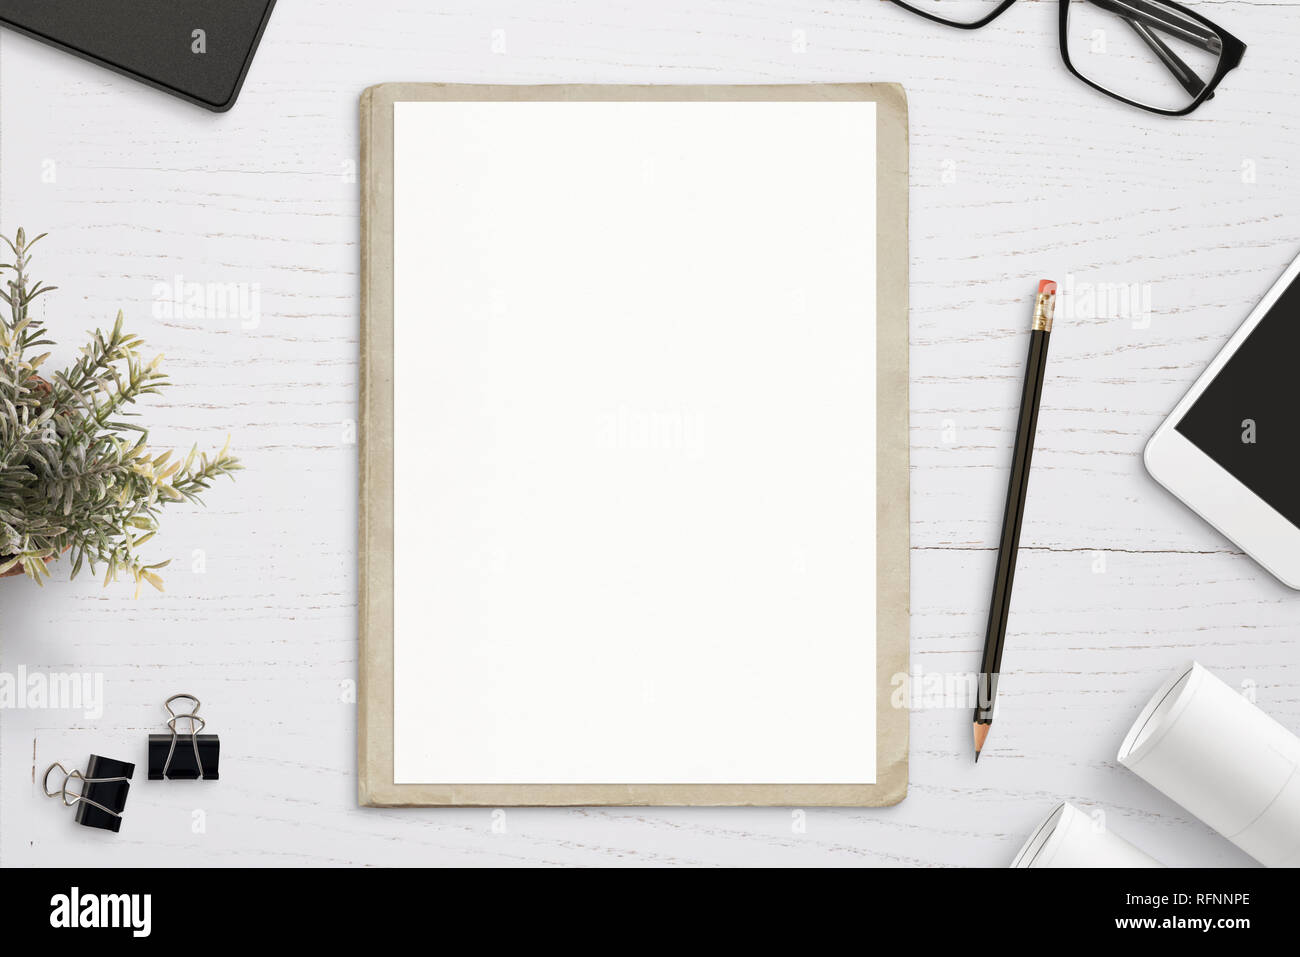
column 1152, row 54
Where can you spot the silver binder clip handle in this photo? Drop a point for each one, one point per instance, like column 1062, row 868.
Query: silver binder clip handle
column 70, row 799
column 197, row 724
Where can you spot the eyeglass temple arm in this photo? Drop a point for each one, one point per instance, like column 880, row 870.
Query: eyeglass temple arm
column 1184, row 74
column 1169, row 21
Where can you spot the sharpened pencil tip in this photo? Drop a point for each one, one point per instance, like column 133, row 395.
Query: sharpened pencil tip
column 981, row 733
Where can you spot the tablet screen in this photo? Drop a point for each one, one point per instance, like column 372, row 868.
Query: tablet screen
column 1246, row 419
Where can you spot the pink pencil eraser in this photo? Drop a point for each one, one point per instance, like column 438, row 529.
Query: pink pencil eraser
column 1046, row 286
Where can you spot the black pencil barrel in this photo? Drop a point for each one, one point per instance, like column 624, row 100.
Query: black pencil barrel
column 1012, row 516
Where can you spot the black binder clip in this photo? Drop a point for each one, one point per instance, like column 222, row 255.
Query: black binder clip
column 104, row 787
column 197, row 756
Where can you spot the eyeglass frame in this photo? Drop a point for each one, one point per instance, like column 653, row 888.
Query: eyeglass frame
column 1229, row 59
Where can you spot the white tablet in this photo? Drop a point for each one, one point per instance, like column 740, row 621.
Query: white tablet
column 1229, row 449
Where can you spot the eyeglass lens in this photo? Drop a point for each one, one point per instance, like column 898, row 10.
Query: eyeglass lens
column 1142, row 50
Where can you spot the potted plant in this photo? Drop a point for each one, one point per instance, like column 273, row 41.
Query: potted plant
column 75, row 475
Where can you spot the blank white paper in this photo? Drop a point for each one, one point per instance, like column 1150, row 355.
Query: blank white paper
column 634, row 443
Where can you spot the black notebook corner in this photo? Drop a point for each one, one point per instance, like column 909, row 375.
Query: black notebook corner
column 198, row 50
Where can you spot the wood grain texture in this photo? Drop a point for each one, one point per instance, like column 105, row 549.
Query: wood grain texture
column 1018, row 172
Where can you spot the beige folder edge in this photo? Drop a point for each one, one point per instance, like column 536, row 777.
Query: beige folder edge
column 376, row 787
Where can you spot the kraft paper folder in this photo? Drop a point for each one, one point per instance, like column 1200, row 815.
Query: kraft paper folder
column 634, row 445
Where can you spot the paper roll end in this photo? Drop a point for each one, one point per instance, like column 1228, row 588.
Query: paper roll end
column 1151, row 720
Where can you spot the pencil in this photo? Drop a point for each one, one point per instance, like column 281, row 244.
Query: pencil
column 1030, row 399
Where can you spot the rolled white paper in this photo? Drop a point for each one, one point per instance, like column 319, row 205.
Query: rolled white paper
column 1068, row 837
column 1211, row 750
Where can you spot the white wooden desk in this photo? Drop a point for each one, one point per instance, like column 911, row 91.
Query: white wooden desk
column 1018, row 172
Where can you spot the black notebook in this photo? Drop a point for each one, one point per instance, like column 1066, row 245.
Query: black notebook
column 198, row 50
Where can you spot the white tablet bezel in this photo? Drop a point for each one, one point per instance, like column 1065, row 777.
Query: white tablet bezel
column 1208, row 488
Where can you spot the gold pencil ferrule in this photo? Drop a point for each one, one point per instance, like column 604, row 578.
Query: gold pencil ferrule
column 1044, row 309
